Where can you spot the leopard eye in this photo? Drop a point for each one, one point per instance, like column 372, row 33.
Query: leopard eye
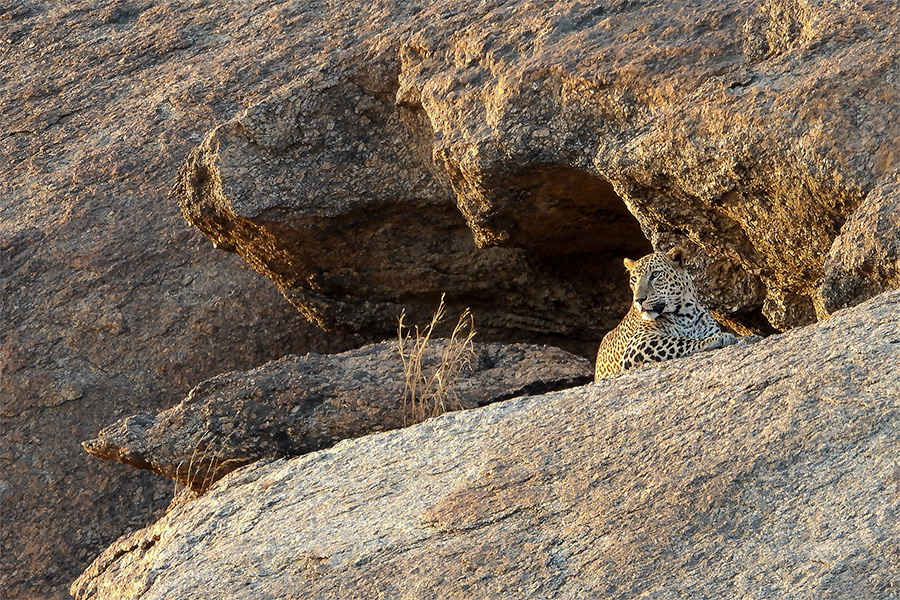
column 653, row 275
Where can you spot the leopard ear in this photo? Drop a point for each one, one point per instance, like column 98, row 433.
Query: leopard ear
column 676, row 254
column 629, row 264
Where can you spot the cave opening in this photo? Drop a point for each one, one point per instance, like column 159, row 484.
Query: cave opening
column 566, row 211
column 577, row 231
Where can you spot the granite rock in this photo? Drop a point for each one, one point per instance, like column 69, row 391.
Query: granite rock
column 865, row 258
column 329, row 189
column 753, row 130
column 507, row 154
column 109, row 304
column 299, row 404
column 762, row 470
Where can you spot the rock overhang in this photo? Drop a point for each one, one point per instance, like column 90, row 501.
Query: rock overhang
column 572, row 145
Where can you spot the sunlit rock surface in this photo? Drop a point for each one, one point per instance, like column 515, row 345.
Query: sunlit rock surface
column 764, row 469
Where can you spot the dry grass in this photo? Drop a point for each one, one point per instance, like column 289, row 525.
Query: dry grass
column 206, row 466
column 431, row 391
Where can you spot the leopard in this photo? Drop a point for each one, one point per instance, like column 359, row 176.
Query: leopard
column 665, row 320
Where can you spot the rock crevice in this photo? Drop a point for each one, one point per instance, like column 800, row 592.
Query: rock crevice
column 345, row 210
column 299, row 404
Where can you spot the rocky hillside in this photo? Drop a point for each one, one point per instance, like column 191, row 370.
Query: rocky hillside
column 762, row 470
column 109, row 303
column 369, row 157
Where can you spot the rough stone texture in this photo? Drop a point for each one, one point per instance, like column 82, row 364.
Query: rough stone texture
column 865, row 258
column 299, row 404
column 331, row 159
column 109, row 304
column 767, row 470
column 752, row 129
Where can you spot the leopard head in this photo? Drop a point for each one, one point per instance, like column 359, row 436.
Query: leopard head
column 661, row 286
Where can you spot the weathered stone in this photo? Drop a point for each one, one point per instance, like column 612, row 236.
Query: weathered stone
column 754, row 130
column 865, row 257
column 329, row 189
column 109, row 304
column 299, row 404
column 765, row 470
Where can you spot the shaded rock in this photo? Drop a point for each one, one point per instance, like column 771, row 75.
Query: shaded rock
column 754, row 131
column 329, row 189
column 299, row 404
column 547, row 124
column 109, row 304
column 865, row 258
column 764, row 160
column 761, row 470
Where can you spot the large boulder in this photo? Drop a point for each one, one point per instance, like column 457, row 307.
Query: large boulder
column 753, row 131
column 372, row 156
column 763, row 470
column 328, row 188
column 299, row 404
column 865, row 257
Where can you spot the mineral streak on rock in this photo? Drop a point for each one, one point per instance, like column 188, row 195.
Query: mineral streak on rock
column 299, row 404
column 761, row 470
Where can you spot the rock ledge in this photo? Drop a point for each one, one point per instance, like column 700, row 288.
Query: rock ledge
column 767, row 470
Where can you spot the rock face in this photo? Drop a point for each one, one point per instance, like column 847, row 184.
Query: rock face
column 109, row 304
column 372, row 156
column 300, row 404
column 329, row 189
column 865, row 258
column 761, row 470
column 754, row 131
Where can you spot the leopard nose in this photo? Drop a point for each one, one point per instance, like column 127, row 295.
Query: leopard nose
column 640, row 300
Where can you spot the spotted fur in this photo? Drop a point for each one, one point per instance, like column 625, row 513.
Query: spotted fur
column 666, row 320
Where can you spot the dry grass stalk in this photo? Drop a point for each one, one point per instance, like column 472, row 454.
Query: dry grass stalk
column 205, row 468
column 430, row 392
